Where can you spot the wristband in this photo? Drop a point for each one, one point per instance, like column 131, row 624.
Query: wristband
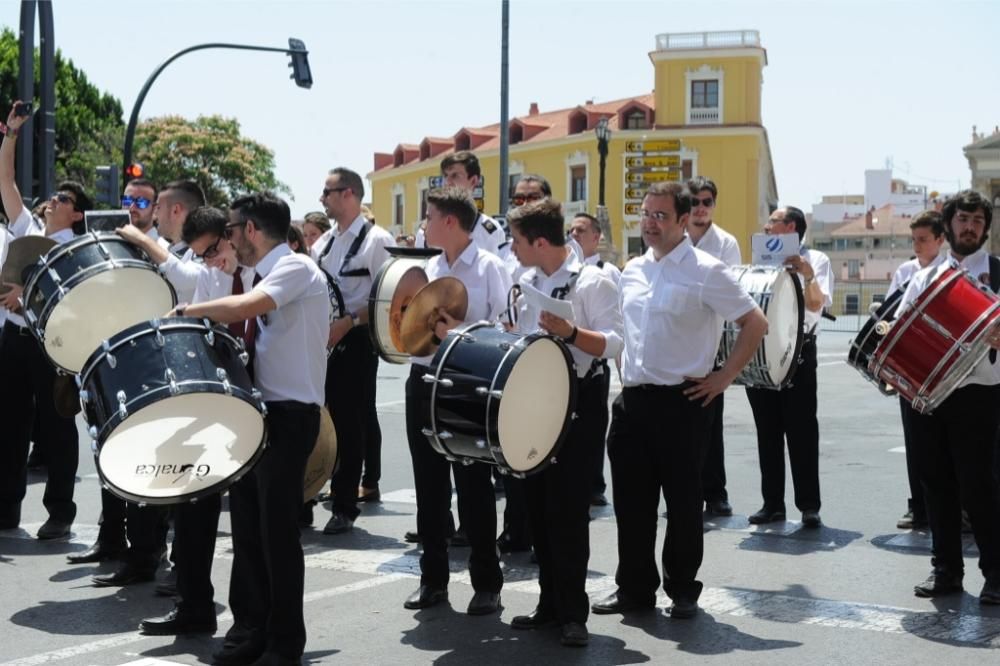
column 571, row 338
column 180, row 310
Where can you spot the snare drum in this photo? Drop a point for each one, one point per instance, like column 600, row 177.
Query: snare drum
column 500, row 398
column 87, row 290
column 863, row 346
column 398, row 280
column 779, row 295
column 173, row 415
column 939, row 340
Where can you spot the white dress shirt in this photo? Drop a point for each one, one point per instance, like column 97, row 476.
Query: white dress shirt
column 908, row 269
column 673, row 311
column 26, row 225
column 485, row 278
column 824, row 278
column 595, row 306
column 486, row 239
column 5, row 239
column 610, row 270
column 720, row 244
column 182, row 272
column 291, row 338
column 371, row 255
column 978, row 265
column 214, row 283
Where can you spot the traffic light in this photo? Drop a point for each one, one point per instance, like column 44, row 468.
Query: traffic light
column 133, row 171
column 300, row 63
column 106, row 186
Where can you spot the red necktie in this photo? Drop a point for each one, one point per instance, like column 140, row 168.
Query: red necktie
column 238, row 328
column 250, row 338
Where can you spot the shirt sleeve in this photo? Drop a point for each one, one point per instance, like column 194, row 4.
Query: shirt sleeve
column 203, row 289
column 731, row 253
column 183, row 275
column 603, row 314
column 498, row 284
column 22, row 223
column 288, row 281
column 824, row 276
column 379, row 254
column 724, row 295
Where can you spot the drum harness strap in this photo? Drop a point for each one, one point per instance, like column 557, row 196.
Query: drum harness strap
column 561, row 293
column 351, row 253
column 995, row 286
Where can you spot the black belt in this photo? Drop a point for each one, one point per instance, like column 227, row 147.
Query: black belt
column 660, row 387
column 291, row 406
column 21, row 330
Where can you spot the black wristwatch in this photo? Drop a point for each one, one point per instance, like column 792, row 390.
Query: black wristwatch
column 571, row 338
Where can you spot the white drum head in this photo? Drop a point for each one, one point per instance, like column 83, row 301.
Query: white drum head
column 98, row 308
column 534, row 405
column 181, row 446
column 782, row 327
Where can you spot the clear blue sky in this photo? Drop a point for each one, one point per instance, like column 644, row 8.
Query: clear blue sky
column 848, row 84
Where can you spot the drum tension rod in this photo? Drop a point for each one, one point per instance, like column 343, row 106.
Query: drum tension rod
column 122, row 409
column 223, row 377
column 484, row 391
column 112, row 361
column 431, row 379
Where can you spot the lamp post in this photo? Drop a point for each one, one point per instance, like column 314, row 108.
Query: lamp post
column 603, row 132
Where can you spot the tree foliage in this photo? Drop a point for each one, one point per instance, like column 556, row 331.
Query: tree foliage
column 210, row 150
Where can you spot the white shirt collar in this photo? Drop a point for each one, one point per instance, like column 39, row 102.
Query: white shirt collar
column 267, row 263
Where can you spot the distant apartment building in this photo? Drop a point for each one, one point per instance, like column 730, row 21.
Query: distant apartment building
column 984, row 162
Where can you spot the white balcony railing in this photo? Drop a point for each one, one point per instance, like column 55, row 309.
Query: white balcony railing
column 704, row 117
column 571, row 208
column 707, row 40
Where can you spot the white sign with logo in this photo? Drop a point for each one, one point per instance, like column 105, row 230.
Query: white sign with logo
column 772, row 250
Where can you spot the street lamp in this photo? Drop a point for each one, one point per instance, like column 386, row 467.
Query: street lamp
column 603, row 133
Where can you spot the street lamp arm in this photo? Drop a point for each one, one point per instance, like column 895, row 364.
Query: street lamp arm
column 134, row 118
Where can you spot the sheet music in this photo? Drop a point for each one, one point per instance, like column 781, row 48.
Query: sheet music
column 544, row 302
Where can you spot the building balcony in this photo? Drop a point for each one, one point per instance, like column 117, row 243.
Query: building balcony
column 571, row 208
column 721, row 39
column 704, row 116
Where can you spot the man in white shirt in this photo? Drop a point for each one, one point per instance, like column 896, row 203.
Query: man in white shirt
column 451, row 216
column 927, row 231
column 28, row 376
column 955, row 445
column 290, row 308
column 790, row 413
column 674, row 300
column 462, row 170
column 351, row 253
column 710, row 237
column 139, row 200
column 557, row 498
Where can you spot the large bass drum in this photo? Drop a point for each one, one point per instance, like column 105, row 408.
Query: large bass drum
column 500, row 398
column 173, row 414
column 863, row 346
column 779, row 295
column 87, row 290
column 396, row 283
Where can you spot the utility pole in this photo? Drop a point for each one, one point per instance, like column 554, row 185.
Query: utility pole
column 504, row 134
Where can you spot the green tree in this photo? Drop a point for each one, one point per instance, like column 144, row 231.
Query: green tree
column 210, row 150
column 90, row 129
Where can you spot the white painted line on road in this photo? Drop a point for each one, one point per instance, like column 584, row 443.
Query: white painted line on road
column 391, row 403
column 149, row 661
column 831, row 355
column 402, row 496
column 823, row 365
column 898, row 449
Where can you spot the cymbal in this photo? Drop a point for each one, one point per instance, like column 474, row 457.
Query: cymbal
column 23, row 252
column 412, row 281
column 66, row 396
column 420, row 318
column 323, row 459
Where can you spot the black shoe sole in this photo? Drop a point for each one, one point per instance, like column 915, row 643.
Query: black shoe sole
column 183, row 631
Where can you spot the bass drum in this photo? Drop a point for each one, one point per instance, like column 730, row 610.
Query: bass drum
column 863, row 346
column 323, row 460
column 779, row 295
column 500, row 398
column 173, row 414
column 85, row 291
column 397, row 282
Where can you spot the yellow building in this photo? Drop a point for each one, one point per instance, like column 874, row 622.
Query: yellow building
column 706, row 103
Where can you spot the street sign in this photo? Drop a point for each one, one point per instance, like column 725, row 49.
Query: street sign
column 637, row 191
column 632, row 208
column 653, row 161
column 667, row 145
column 652, row 176
column 435, row 181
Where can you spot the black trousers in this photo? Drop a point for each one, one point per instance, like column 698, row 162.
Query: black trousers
column 144, row 528
column 195, row 528
column 647, row 459
column 954, row 449
column 558, row 502
column 266, row 586
column 713, row 474
column 26, row 386
column 350, row 395
column 916, row 503
column 789, row 415
column 475, row 492
column 597, row 437
column 372, row 471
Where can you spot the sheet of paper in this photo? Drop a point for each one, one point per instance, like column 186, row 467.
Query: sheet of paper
column 772, row 250
column 541, row 301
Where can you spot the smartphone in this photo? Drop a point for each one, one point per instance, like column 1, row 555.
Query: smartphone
column 105, row 220
column 23, row 109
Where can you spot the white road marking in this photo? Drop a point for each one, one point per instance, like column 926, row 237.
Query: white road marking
column 898, row 449
column 402, row 496
column 391, row 403
column 823, row 365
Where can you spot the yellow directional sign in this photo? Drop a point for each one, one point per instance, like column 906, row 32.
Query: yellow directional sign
column 632, row 208
column 667, row 145
column 652, row 176
column 635, row 192
column 654, row 161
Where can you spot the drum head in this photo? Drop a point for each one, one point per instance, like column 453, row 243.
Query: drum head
column 98, row 308
column 529, row 427
column 181, row 447
column 323, row 458
column 783, row 324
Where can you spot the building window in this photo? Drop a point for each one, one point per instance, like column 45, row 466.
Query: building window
column 705, row 94
column 851, row 304
column 853, row 268
column 512, row 181
column 578, row 183
column 876, row 243
column 636, row 120
column 687, row 169
column 397, row 209
column 841, row 243
column 423, row 205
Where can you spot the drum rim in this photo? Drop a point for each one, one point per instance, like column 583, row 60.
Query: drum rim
column 864, row 335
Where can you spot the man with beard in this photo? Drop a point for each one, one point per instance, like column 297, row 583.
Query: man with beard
column 139, row 199
column 954, row 445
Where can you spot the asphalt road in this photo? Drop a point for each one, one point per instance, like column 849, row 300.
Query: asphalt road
column 841, row 594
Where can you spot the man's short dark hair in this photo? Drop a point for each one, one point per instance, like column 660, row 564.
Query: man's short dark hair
column 793, row 214
column 539, row 219
column 543, row 184
column 186, row 192
column 699, row 183
column 455, row 201
column 595, row 225
column 468, row 161
column 83, row 202
column 929, row 219
column 679, row 193
column 204, row 220
column 319, row 220
column 350, row 179
column 968, row 201
column 268, row 212
column 144, row 182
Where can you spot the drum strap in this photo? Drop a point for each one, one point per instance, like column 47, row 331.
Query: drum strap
column 600, row 263
column 995, row 286
column 351, row 253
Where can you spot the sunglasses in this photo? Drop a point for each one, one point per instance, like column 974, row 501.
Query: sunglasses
column 227, row 231
column 211, row 251
column 142, row 203
column 328, row 190
column 707, row 202
column 521, row 199
column 64, row 198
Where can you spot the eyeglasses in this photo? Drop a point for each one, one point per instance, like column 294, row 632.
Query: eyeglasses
column 521, row 199
column 211, row 251
column 142, row 203
column 327, row 190
column 64, row 198
column 658, row 215
column 227, row 231
column 707, row 202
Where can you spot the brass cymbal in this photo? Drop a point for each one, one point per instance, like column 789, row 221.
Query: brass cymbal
column 23, row 252
column 420, row 318
column 66, row 396
column 412, row 281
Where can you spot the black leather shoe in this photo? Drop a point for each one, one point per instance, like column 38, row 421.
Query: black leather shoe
column 618, row 602
column 99, row 552
column 127, row 574
column 574, row 634
column 811, row 519
column 306, row 515
column 507, row 544
column 411, row 536
column 369, row 494
column 536, row 619
column 598, row 499
column 459, row 539
column 338, row 524
column 246, row 652
column 177, row 622
column 425, row 597
column 718, row 508
column 684, row 609
column 167, row 586
column 53, row 529
column 990, row 593
column 484, row 603
column 274, row 659
column 940, row 582
column 766, row 515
